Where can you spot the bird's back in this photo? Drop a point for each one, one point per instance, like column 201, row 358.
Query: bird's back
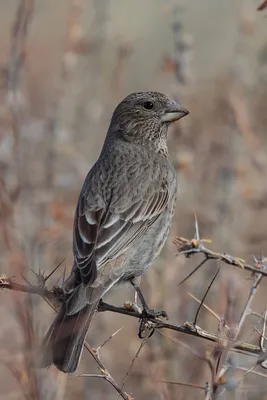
column 124, row 174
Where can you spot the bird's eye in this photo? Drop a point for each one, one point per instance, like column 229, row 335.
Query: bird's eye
column 148, row 105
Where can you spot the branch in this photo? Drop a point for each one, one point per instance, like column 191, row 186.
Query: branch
column 262, row 6
column 55, row 296
column 104, row 372
column 191, row 247
column 227, row 340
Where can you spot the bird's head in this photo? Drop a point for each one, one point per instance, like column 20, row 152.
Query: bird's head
column 144, row 118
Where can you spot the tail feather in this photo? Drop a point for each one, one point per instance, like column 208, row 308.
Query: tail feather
column 64, row 341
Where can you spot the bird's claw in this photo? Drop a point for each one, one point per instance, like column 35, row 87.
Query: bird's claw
column 148, row 314
column 145, row 321
column 145, row 326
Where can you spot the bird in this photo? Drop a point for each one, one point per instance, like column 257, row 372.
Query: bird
column 122, row 219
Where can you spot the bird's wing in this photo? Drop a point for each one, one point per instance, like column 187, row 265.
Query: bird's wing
column 102, row 234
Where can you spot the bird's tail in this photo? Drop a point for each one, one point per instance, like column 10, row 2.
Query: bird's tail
column 64, row 341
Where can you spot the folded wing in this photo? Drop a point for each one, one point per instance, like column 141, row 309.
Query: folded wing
column 100, row 234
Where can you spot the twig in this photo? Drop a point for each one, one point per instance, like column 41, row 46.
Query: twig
column 191, row 247
column 191, row 385
column 205, row 295
column 133, row 361
column 221, row 355
column 253, row 372
column 205, row 306
column 109, row 339
column 184, row 345
column 6, row 283
column 54, row 270
column 252, row 292
column 194, row 270
column 262, row 6
column 244, row 314
column 104, row 372
column 263, row 337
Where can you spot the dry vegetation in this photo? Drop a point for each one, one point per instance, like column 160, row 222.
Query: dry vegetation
column 63, row 68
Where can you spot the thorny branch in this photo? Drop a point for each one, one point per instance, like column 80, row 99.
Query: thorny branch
column 55, row 296
column 219, row 360
column 104, row 372
column 191, row 247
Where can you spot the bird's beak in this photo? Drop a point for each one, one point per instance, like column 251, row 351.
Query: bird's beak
column 174, row 112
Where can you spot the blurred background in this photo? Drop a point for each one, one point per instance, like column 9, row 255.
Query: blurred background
column 64, row 66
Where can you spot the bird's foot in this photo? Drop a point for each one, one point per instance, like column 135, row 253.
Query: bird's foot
column 147, row 314
column 146, row 329
column 146, row 325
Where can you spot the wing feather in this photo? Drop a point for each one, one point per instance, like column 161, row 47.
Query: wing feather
column 104, row 234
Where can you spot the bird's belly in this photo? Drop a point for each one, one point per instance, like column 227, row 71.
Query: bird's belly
column 147, row 249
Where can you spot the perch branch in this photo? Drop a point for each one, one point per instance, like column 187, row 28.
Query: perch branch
column 55, row 296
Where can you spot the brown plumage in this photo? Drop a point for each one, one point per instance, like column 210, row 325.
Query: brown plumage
column 122, row 218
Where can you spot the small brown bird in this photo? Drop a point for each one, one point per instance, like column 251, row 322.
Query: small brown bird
column 122, row 219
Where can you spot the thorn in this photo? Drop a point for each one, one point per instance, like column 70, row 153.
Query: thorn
column 183, row 384
column 205, row 295
column 240, row 262
column 132, row 364
column 197, row 236
column 192, row 273
column 54, row 270
column 39, row 276
column 206, row 240
column 108, row 340
column 261, row 336
column 26, row 280
column 255, row 259
column 250, row 370
column 205, row 306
